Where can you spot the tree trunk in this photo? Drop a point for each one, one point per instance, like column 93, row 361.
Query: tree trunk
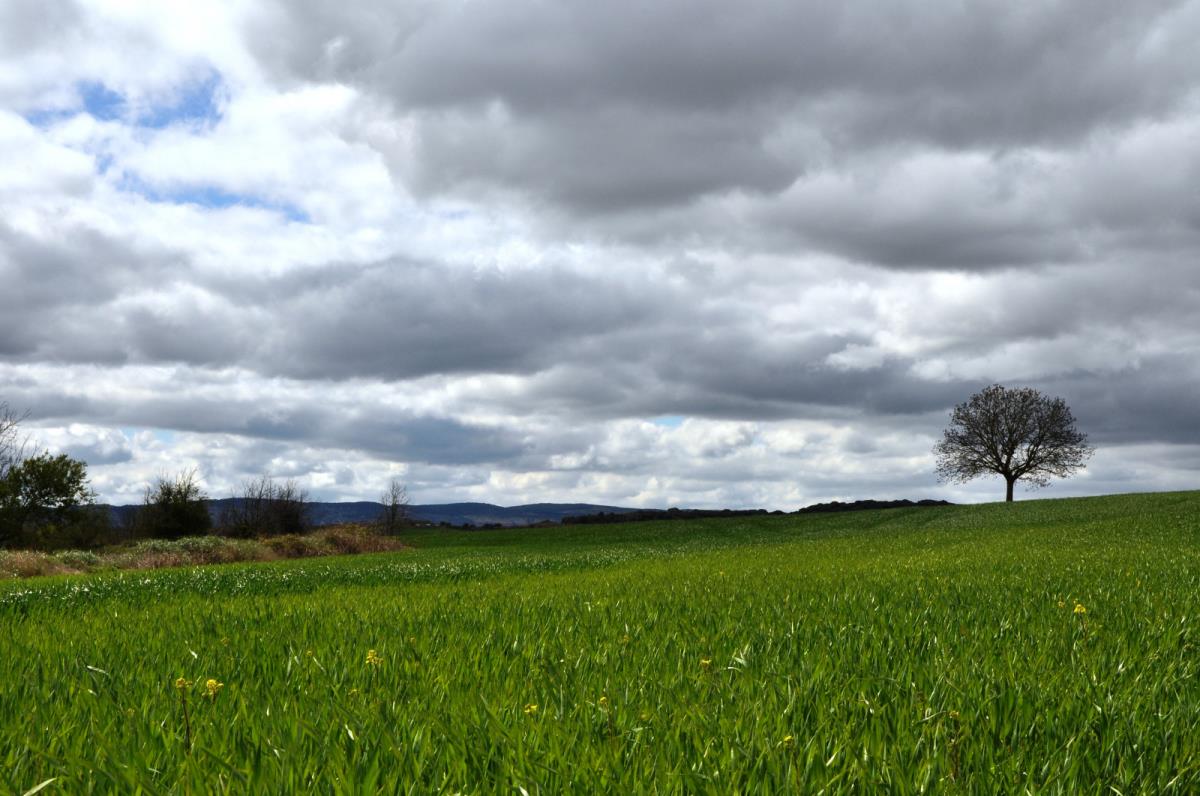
column 1009, row 494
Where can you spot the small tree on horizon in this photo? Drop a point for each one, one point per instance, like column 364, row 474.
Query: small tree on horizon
column 1016, row 433
column 394, row 514
column 174, row 507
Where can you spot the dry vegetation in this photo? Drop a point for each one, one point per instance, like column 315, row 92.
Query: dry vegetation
column 158, row 553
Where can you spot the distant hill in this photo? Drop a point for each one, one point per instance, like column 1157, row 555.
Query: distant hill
column 477, row 514
column 642, row 515
column 486, row 514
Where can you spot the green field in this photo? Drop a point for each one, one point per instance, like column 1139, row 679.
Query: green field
column 1041, row 646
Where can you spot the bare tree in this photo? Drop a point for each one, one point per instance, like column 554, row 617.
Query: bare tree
column 1018, row 434
column 289, row 508
column 12, row 444
column 265, row 508
column 394, row 514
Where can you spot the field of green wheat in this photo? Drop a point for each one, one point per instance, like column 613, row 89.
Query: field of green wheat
column 1042, row 646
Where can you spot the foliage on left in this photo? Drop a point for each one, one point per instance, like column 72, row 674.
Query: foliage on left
column 46, row 502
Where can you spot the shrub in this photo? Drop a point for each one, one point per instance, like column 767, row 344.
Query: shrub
column 293, row 546
column 174, row 508
column 357, row 539
column 29, row 564
column 81, row 560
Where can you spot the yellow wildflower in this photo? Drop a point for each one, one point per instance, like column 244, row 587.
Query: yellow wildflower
column 1062, row 604
column 211, row 687
column 531, row 709
column 183, row 684
column 1079, row 609
column 789, row 741
column 373, row 658
column 706, row 663
column 603, row 702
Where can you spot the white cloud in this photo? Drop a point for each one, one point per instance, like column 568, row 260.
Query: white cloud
column 390, row 243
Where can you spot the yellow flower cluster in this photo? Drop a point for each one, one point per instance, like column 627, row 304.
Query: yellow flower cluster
column 1079, row 609
column 531, row 709
column 706, row 663
column 373, row 658
column 183, row 684
column 211, row 687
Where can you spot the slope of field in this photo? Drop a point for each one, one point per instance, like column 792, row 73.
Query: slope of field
column 1044, row 646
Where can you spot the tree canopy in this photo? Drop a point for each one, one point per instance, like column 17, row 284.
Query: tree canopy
column 1017, row 433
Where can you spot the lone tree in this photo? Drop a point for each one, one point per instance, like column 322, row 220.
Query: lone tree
column 1017, row 433
column 394, row 514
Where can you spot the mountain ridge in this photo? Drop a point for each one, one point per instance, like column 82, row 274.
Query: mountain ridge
column 459, row 514
column 473, row 514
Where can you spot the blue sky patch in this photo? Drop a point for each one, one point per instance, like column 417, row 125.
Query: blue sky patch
column 101, row 101
column 212, row 197
column 98, row 100
column 197, row 102
column 669, row 421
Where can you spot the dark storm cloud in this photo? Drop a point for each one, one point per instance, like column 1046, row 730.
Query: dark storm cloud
column 78, row 266
column 750, row 388
column 51, row 285
column 593, row 161
column 598, row 106
column 586, row 346
column 100, row 451
column 1154, row 401
column 26, row 25
column 297, row 420
column 403, row 319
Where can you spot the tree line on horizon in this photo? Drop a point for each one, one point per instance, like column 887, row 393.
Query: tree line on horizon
column 46, row 501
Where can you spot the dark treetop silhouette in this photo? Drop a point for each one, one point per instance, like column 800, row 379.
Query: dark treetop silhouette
column 1017, row 433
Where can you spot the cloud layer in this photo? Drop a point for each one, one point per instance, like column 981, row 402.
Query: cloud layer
column 684, row 253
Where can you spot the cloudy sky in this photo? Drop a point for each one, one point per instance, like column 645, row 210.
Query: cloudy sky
column 671, row 253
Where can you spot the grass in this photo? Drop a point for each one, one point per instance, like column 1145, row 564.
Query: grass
column 911, row 650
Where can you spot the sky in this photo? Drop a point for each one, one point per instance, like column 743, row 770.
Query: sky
column 701, row 254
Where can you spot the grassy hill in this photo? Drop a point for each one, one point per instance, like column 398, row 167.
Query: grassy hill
column 1048, row 646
